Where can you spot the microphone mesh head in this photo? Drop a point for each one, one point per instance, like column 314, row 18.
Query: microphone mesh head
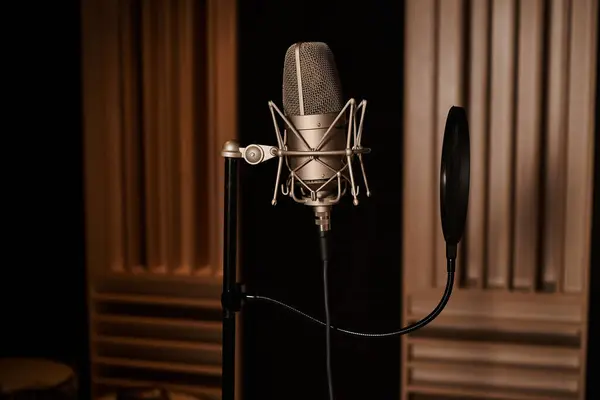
column 320, row 83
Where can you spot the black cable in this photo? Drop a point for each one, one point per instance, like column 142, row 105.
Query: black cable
column 328, row 330
column 324, row 245
column 417, row 325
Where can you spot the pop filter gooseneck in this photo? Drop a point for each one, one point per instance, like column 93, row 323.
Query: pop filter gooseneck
column 454, row 179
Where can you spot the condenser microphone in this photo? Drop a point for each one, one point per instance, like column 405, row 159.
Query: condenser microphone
column 320, row 136
column 312, row 100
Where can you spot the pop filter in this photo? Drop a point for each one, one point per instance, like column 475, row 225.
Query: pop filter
column 454, row 178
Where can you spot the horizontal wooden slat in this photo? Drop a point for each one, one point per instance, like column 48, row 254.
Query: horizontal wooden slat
column 145, row 299
column 493, row 377
column 504, row 325
column 160, row 343
column 547, row 357
column 482, row 304
column 210, row 392
column 160, row 366
column 152, row 321
column 161, row 285
column 466, row 392
column 158, row 328
column 164, row 351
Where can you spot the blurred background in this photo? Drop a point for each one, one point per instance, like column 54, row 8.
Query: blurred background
column 119, row 110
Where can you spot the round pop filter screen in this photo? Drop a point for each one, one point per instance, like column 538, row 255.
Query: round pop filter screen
column 455, row 175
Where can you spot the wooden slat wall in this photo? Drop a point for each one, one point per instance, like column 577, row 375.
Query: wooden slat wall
column 159, row 102
column 556, row 125
column 526, row 73
column 527, row 147
column 222, row 107
column 579, row 144
column 169, row 138
column 131, row 107
column 419, row 117
column 478, row 84
column 501, row 125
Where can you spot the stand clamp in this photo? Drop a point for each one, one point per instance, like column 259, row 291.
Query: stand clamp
column 232, row 299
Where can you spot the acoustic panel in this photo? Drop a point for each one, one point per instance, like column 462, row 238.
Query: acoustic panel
column 516, row 325
column 159, row 102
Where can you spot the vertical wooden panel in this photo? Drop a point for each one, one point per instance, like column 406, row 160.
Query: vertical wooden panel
column 580, row 142
column 539, row 85
column 556, row 134
column 527, row 143
column 419, row 144
column 212, row 143
column 166, row 131
column 186, row 85
column 174, row 96
column 96, row 63
column 419, row 149
column 114, row 151
column 162, row 134
column 501, row 142
column 168, row 135
column 142, row 120
column 449, row 93
column 131, row 137
column 477, row 111
column 150, row 132
column 222, row 106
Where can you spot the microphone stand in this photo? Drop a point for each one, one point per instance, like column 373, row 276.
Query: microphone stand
column 232, row 293
column 231, row 297
column 454, row 193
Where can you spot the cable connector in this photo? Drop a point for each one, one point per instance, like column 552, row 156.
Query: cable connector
column 451, row 253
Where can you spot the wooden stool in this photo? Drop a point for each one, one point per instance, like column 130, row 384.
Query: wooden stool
column 39, row 379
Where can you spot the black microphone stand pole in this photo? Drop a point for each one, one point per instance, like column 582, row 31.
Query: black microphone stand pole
column 231, row 297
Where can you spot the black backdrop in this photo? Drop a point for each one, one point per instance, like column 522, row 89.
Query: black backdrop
column 284, row 354
column 42, row 284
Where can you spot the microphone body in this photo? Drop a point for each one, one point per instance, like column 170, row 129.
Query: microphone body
column 315, row 172
column 312, row 101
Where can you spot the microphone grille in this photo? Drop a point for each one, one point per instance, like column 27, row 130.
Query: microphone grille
column 320, row 88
